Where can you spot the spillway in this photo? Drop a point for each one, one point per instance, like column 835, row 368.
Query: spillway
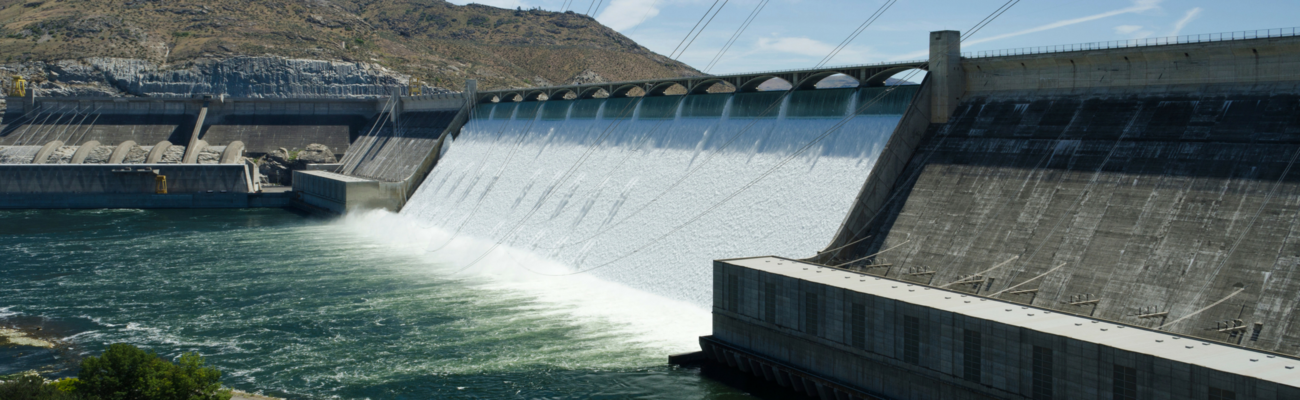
column 645, row 191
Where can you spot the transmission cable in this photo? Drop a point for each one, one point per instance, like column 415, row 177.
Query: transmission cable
column 989, row 19
column 701, row 31
column 697, row 25
column 743, row 26
column 845, row 43
column 597, row 10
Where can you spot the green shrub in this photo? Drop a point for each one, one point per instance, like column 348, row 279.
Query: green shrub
column 125, row 372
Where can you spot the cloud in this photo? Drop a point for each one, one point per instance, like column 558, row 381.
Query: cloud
column 1138, row 6
column 1127, row 29
column 625, row 14
column 795, row 45
column 1182, row 23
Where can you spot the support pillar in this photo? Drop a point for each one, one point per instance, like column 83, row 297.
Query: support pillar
column 947, row 80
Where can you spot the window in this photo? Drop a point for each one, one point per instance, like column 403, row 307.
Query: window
column 859, row 325
column 1042, row 373
column 769, row 302
column 1125, row 384
column 972, row 355
column 1220, row 394
column 811, row 314
column 733, row 293
column 1254, row 335
column 911, row 340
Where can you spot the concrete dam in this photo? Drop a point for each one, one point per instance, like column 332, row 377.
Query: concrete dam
column 1100, row 223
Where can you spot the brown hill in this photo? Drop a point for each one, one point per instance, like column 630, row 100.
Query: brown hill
column 438, row 42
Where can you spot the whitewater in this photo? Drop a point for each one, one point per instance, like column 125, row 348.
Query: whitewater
column 614, row 208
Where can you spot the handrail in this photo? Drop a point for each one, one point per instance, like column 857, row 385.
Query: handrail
column 1159, row 41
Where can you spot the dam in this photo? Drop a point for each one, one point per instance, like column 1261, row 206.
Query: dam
column 1078, row 223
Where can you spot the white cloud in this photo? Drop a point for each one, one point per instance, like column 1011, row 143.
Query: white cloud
column 1138, row 6
column 1127, row 29
column 625, row 14
column 1182, row 23
column 795, row 45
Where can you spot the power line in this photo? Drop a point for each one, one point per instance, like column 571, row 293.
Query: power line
column 697, row 25
column 593, row 2
column 706, row 25
column 989, row 19
column 597, row 11
column 845, row 43
column 743, row 26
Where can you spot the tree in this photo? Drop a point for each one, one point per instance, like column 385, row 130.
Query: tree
column 31, row 387
column 125, row 372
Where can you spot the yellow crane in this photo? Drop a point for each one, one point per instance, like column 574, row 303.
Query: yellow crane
column 19, row 88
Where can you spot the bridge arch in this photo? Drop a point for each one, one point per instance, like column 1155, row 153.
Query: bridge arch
column 591, row 92
column 662, row 88
column 880, row 78
column 511, row 97
column 752, row 84
column 702, row 87
column 623, row 91
column 536, row 95
column 562, row 94
column 810, row 82
column 489, row 98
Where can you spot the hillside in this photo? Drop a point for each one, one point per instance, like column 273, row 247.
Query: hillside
column 440, row 43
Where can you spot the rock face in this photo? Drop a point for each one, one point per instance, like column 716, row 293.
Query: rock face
column 585, row 77
column 277, row 166
column 256, row 77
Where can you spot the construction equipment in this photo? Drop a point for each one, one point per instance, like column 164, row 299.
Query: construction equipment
column 415, row 88
column 19, row 88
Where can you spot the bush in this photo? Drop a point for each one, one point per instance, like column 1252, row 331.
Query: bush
column 32, row 387
column 125, row 372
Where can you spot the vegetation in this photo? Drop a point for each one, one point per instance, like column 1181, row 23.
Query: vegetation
column 124, row 372
column 431, row 39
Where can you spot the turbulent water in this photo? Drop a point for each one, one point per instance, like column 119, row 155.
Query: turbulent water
column 469, row 292
column 646, row 192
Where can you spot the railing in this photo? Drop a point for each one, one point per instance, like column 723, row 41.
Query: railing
column 1119, row 44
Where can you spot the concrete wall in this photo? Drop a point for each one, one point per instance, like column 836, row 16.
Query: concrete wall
column 878, row 364
column 114, row 179
column 1185, row 67
column 1167, row 202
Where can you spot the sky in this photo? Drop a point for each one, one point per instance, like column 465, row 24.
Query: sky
column 790, row 34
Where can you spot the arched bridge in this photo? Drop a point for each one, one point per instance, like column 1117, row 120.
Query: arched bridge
column 807, row 79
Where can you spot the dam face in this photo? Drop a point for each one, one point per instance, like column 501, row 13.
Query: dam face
column 622, row 187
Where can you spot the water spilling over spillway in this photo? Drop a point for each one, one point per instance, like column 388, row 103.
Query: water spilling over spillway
column 613, row 187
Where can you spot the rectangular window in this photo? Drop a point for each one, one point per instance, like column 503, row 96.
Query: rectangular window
column 859, row 324
column 811, row 314
column 769, row 303
column 1220, row 394
column 1042, row 373
column 733, row 293
column 972, row 355
column 1125, row 385
column 911, row 340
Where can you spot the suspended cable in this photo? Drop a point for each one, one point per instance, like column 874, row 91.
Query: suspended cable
column 845, row 43
column 697, row 25
column 743, row 26
column 593, row 2
column 989, row 19
column 706, row 25
column 597, row 10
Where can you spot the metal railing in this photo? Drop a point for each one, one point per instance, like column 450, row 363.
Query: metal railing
column 1119, row 44
column 885, row 63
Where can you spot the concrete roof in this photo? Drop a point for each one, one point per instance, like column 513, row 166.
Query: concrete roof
column 1217, row 356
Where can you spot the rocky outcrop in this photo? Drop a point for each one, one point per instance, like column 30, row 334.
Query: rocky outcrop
column 277, row 166
column 255, row 77
column 585, row 77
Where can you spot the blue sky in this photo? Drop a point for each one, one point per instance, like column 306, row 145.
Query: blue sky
column 799, row 33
